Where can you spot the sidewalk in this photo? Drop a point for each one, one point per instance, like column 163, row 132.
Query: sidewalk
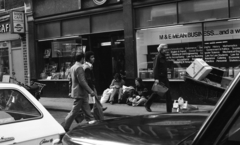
column 115, row 110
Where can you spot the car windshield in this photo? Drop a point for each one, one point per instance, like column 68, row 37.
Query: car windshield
column 15, row 106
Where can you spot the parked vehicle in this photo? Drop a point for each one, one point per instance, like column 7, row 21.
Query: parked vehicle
column 220, row 127
column 23, row 120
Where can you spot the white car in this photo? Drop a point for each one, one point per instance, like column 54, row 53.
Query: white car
column 23, row 119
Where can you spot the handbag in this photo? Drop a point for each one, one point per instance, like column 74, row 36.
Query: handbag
column 159, row 88
column 97, row 110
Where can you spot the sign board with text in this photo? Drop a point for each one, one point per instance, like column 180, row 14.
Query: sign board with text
column 17, row 22
column 215, row 53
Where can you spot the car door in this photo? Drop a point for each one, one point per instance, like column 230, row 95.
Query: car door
column 24, row 121
column 223, row 125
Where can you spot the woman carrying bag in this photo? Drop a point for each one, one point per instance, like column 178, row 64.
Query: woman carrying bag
column 160, row 77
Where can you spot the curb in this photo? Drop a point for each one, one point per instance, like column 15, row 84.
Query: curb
column 105, row 114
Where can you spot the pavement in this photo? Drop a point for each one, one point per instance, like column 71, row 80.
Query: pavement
column 115, row 110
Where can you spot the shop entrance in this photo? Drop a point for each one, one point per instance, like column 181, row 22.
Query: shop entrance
column 109, row 57
column 17, row 64
column 4, row 61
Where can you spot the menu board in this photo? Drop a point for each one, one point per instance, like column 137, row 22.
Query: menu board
column 215, row 53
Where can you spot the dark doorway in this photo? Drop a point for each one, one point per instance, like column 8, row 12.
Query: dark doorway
column 109, row 57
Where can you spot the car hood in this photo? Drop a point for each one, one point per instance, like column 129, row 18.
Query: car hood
column 164, row 129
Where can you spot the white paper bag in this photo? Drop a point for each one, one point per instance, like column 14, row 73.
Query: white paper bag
column 185, row 104
column 175, row 104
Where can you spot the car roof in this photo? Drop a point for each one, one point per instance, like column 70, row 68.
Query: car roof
column 7, row 85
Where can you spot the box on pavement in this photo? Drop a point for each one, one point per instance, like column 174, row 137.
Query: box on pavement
column 198, row 69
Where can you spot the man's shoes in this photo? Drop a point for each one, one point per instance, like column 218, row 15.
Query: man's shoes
column 104, row 108
column 148, row 108
column 111, row 102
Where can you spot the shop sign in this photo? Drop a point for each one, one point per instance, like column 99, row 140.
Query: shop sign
column 99, row 2
column 17, row 22
column 4, row 28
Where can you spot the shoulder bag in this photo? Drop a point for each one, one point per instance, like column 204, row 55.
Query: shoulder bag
column 159, row 88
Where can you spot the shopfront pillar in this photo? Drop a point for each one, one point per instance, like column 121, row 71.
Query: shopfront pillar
column 130, row 53
column 32, row 50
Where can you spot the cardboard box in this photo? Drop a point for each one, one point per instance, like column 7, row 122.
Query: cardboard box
column 199, row 69
column 215, row 75
column 203, row 73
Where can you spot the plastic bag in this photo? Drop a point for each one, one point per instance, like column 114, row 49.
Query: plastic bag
column 106, row 95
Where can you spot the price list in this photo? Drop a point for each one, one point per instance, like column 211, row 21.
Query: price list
column 214, row 52
column 222, row 51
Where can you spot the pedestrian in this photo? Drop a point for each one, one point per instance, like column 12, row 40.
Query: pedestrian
column 160, row 75
column 139, row 95
column 79, row 91
column 116, row 84
column 89, row 75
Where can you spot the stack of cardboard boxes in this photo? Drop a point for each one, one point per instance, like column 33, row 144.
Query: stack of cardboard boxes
column 199, row 70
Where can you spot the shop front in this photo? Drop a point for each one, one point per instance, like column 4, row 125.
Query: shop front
column 59, row 41
column 206, row 29
column 13, row 53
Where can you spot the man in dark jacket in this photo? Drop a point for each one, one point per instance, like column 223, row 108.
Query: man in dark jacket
column 89, row 74
column 160, row 76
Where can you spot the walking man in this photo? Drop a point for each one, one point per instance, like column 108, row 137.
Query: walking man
column 89, row 75
column 160, row 75
column 79, row 91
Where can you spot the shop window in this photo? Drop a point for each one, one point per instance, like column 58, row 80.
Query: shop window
column 57, row 57
column 234, row 8
column 201, row 10
column 184, row 43
column 222, row 46
column 156, row 15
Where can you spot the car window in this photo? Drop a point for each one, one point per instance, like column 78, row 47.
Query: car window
column 14, row 106
column 233, row 135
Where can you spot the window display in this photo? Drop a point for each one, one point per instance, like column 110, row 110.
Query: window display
column 219, row 47
column 58, row 57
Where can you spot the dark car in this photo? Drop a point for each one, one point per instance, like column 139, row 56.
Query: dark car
column 220, row 127
column 148, row 129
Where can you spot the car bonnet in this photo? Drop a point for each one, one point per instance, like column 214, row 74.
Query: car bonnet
column 147, row 129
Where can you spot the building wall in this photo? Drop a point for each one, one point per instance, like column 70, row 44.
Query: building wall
column 53, row 7
column 10, row 4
